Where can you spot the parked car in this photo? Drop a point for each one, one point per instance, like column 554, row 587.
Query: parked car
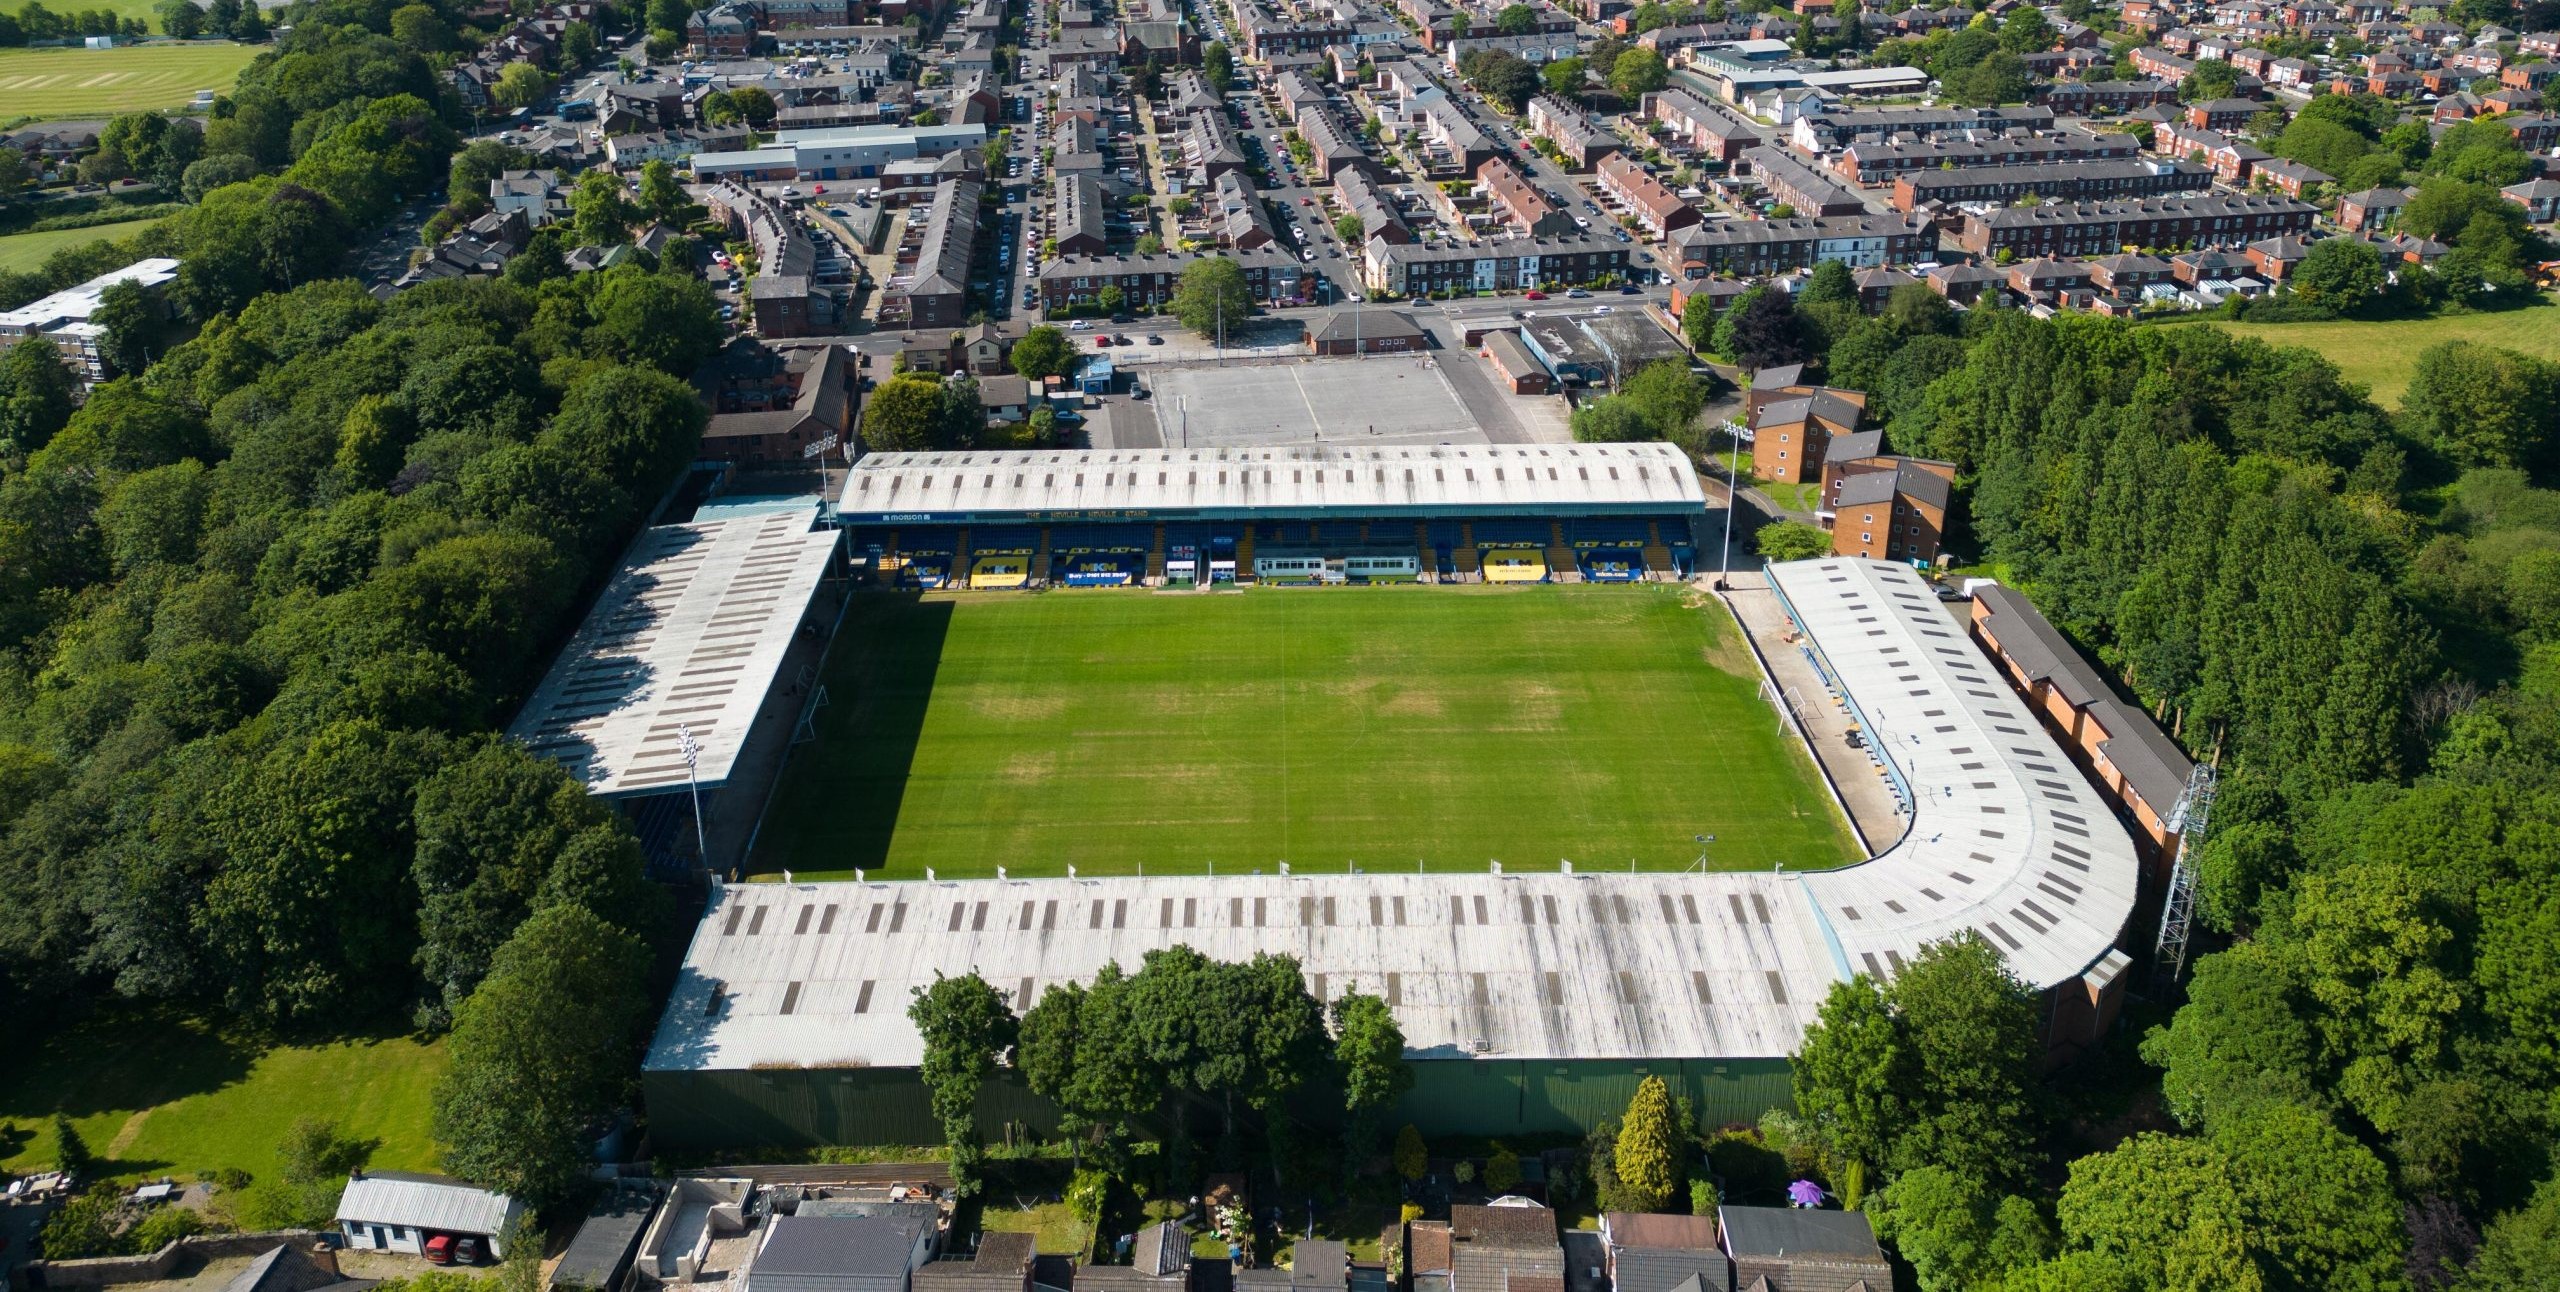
column 1535, row 295
column 1576, row 294
column 1628, row 289
column 453, row 1249
column 1102, row 340
column 1154, row 340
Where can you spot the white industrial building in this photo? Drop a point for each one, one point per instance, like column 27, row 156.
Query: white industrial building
column 850, row 152
column 63, row 317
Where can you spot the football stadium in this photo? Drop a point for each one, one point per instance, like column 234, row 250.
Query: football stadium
column 1535, row 989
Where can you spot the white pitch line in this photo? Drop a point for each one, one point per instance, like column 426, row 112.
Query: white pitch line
column 1314, row 419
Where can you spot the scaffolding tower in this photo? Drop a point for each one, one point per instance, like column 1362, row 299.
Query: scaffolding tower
column 2188, row 821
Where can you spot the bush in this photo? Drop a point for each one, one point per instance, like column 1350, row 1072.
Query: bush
column 1702, row 1198
column 1412, row 1159
column 1792, row 541
column 163, row 1227
column 1752, row 1173
column 1502, row 1170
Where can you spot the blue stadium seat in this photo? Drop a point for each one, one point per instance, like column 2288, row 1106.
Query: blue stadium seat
column 1511, row 533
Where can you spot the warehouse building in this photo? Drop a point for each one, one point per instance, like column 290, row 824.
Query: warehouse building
column 853, row 152
column 1530, row 1003
column 661, row 689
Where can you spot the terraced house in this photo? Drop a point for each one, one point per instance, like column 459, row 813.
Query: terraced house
column 1145, row 282
column 1510, row 264
column 1775, row 246
column 2096, row 228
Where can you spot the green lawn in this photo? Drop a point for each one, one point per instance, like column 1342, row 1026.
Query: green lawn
column 161, row 1095
column 2384, row 354
column 1054, row 1228
column 102, row 82
column 1120, row 730
column 26, row 251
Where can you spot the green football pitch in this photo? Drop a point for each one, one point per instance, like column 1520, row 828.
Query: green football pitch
column 128, row 78
column 1120, row 731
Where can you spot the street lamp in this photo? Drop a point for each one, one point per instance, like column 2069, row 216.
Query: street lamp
column 692, row 752
column 1703, row 841
column 1732, row 499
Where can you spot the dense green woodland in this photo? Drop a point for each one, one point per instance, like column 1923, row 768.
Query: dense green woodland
column 2358, row 614
column 265, row 596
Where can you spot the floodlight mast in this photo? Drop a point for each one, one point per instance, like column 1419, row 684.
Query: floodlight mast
column 2189, row 821
column 692, row 752
column 1732, row 499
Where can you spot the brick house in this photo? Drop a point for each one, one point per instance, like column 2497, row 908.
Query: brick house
column 1891, row 508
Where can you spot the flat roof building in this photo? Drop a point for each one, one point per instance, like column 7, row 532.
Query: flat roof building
column 64, row 316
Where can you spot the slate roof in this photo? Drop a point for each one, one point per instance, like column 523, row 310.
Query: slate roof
column 2145, row 754
column 819, row 1253
column 1905, row 478
column 1673, row 1269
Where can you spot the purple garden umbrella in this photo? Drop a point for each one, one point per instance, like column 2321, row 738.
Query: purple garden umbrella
column 1805, row 1193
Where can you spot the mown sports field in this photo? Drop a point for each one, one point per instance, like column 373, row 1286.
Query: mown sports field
column 1445, row 726
column 60, row 83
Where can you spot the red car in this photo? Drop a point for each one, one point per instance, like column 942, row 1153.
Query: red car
column 453, row 1249
column 1101, row 340
column 1535, row 296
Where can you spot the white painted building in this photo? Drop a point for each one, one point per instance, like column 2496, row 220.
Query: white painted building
column 401, row 1211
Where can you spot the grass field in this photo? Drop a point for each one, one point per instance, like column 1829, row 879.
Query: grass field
column 102, row 82
column 158, row 1095
column 1117, row 731
column 25, row 251
column 2384, row 354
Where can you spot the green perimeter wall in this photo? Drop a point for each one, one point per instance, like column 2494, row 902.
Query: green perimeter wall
column 807, row 1107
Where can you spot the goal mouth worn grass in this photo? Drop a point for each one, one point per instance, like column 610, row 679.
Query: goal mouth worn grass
column 1436, row 728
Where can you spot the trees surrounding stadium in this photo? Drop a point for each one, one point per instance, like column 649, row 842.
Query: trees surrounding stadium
column 1241, row 1046
column 542, row 1050
column 2354, row 609
column 328, row 535
column 1368, row 1049
column 966, row 1027
column 1936, row 1069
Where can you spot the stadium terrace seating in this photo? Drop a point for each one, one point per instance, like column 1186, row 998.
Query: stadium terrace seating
column 1444, row 537
column 999, row 571
column 1515, row 565
column 1097, row 556
column 1007, row 540
column 924, row 557
column 1513, row 533
column 1610, row 550
column 1000, row 557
